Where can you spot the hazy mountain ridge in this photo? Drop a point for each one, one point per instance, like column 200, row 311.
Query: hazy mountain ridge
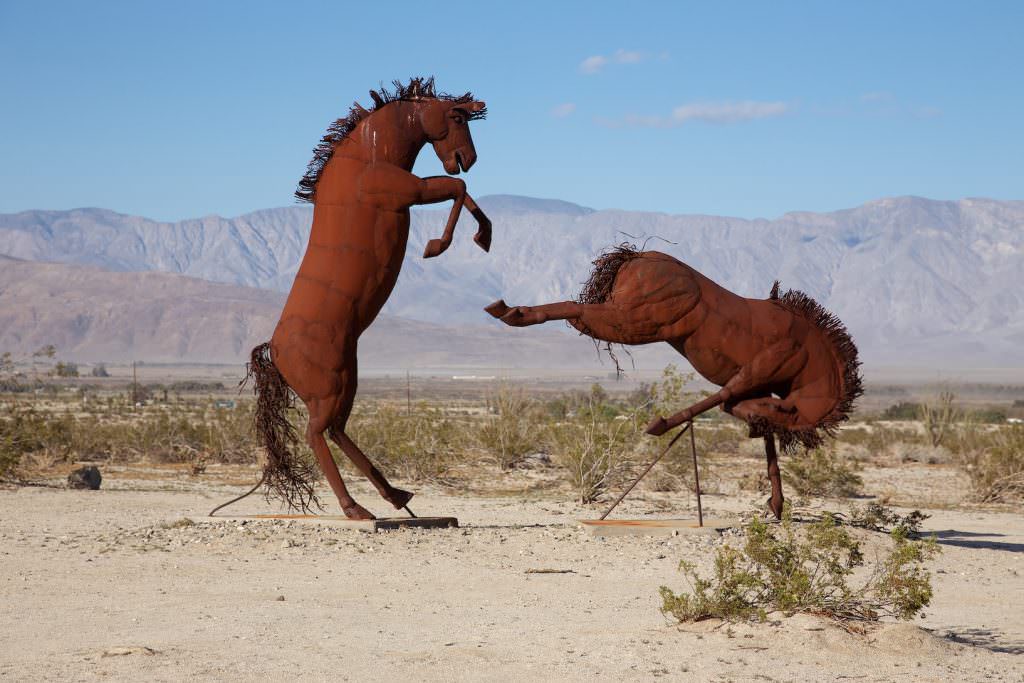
column 914, row 279
column 91, row 314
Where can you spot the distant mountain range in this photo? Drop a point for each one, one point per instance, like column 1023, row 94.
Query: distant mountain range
column 917, row 281
column 91, row 314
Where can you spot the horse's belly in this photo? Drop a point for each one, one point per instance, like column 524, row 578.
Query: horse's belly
column 349, row 269
column 711, row 362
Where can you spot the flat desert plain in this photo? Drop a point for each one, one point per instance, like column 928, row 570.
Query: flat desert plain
column 116, row 584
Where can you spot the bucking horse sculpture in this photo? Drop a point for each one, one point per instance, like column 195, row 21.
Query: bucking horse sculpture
column 786, row 365
column 361, row 185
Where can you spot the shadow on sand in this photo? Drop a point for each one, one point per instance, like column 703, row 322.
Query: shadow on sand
column 975, row 540
column 991, row 640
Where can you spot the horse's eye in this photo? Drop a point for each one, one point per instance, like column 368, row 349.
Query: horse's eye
column 458, row 119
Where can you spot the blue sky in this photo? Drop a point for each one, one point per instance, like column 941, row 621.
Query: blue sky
column 175, row 110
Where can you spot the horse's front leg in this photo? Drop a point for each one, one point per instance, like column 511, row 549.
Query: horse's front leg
column 523, row 316
column 442, row 188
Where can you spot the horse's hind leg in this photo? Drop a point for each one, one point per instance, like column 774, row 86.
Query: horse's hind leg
column 775, row 502
column 397, row 497
column 772, row 365
column 774, row 411
column 319, row 421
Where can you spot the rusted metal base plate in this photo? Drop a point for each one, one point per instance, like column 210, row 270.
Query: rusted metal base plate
column 342, row 522
column 653, row 527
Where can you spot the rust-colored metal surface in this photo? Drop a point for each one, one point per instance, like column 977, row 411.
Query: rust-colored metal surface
column 361, row 184
column 787, row 367
column 341, row 522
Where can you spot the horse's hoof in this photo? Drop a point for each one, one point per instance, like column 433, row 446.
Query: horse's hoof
column 357, row 511
column 514, row 317
column 498, row 308
column 657, row 426
column 483, row 240
column 433, row 248
column 775, row 507
column 399, row 498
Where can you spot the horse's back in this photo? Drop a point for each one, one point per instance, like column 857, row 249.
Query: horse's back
column 651, row 291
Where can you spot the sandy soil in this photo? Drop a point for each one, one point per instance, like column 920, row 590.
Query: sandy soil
column 111, row 584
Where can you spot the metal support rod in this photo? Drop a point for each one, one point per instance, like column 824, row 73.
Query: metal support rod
column 696, row 478
column 648, row 469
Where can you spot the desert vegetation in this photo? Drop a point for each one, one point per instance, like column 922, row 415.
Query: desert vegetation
column 582, row 442
column 808, row 569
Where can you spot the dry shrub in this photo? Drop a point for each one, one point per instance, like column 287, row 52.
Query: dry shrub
column 663, row 481
column 789, row 570
column 821, row 472
column 879, row 440
column 920, row 452
column 171, row 433
column 754, row 482
column 421, row 446
column 939, row 414
column 879, row 517
column 592, row 451
column 513, row 431
column 993, row 458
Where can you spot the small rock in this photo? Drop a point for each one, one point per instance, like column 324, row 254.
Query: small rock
column 85, row 478
column 280, row 598
column 286, row 543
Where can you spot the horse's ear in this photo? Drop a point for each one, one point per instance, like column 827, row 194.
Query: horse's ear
column 378, row 101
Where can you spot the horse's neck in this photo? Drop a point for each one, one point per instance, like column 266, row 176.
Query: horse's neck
column 392, row 135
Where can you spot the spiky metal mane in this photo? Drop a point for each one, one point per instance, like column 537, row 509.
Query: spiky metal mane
column 598, row 286
column 845, row 351
column 337, row 132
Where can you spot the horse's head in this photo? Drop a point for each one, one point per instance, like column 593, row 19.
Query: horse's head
column 446, row 124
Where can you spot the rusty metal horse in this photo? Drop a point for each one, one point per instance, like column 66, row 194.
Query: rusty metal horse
column 786, row 366
column 361, row 186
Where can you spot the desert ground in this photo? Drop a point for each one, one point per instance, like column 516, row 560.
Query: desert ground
column 118, row 584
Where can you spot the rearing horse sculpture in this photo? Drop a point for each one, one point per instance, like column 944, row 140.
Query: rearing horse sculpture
column 786, row 366
column 361, row 186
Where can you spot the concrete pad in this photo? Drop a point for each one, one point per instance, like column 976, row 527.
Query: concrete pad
column 342, row 522
column 653, row 527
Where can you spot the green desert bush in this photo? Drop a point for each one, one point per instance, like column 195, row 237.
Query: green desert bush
column 878, row 517
column 821, row 472
column 790, row 570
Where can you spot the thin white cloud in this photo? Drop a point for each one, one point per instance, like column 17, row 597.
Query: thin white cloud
column 563, row 110
column 596, row 63
column 885, row 103
column 591, row 65
column 628, row 57
column 877, row 96
column 927, row 112
column 707, row 112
